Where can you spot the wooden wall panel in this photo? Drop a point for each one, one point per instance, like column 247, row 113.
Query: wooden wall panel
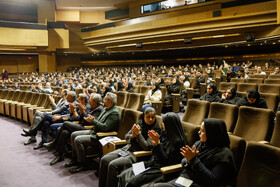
column 93, row 17
column 23, row 37
column 46, row 10
column 68, row 15
column 18, row 64
column 64, row 62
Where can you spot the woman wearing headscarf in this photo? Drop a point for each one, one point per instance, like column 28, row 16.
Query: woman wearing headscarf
column 119, row 86
column 209, row 163
column 175, row 87
column 153, row 95
column 113, row 163
column 160, row 81
column 111, row 84
column 212, row 94
column 129, row 88
column 165, row 152
column 252, row 99
column 230, row 97
column 105, row 90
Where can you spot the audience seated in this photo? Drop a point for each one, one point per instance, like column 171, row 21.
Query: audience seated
column 165, row 152
column 252, row 99
column 129, row 87
column 212, row 94
column 153, row 95
column 107, row 121
column 230, row 97
column 113, row 163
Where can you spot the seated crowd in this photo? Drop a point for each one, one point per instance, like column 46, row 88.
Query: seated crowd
column 75, row 121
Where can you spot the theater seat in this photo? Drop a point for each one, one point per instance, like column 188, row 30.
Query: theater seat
column 226, row 85
column 254, row 124
column 237, row 80
column 226, row 112
column 271, row 100
column 135, row 101
column 275, row 138
column 272, row 81
column 237, row 146
column 196, row 111
column 242, row 88
column 260, row 166
column 122, row 98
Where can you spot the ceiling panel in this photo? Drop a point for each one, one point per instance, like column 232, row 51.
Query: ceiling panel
column 88, row 4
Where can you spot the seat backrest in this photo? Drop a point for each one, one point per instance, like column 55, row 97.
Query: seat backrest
column 35, row 98
column 271, row 100
column 237, row 146
column 196, row 111
column 244, row 87
column 141, row 83
column 163, row 92
column 192, row 82
column 130, row 117
column 136, row 88
column 78, row 91
column 22, row 96
column 274, row 76
column 275, row 138
column 226, row 112
column 11, row 95
column 122, row 98
column 159, row 120
column 135, row 101
column 144, row 89
column 269, row 88
column 272, row 81
column 260, row 166
column 237, row 80
column 42, row 100
column 255, row 80
column 260, row 76
column 28, row 98
column 191, row 133
column 254, row 124
column 226, row 85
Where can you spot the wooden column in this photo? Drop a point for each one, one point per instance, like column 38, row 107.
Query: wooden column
column 278, row 11
column 47, row 63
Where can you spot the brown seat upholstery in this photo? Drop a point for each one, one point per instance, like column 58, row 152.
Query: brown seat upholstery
column 242, row 88
column 226, row 112
column 269, row 88
column 23, row 108
column 260, row 76
column 190, row 91
column 19, row 94
column 254, row 124
column 260, row 166
column 135, row 101
column 255, row 80
column 43, row 106
column 136, row 88
column 275, row 138
column 272, row 81
column 9, row 97
column 271, row 100
column 237, row 146
column 13, row 107
column 191, row 132
column 122, row 98
column 78, row 90
column 196, row 111
column 144, row 89
column 157, row 105
column 226, row 85
column 274, row 76
column 237, row 80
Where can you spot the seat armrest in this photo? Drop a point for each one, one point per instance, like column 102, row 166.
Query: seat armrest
column 171, row 169
column 119, row 142
column 156, row 102
column 103, row 134
column 263, row 142
column 46, row 110
column 142, row 153
column 88, row 127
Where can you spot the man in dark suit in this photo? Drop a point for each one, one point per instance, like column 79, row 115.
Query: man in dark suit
column 107, row 121
column 68, row 127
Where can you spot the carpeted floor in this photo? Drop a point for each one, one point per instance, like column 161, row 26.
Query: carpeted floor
column 21, row 166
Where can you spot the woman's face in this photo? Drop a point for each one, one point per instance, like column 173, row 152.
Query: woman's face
column 251, row 100
column 209, row 90
column 228, row 94
column 150, row 118
column 153, row 86
column 174, row 81
column 94, row 89
column 202, row 133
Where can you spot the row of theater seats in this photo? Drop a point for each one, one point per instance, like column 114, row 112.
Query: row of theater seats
column 132, row 101
column 22, row 104
column 244, row 152
column 251, row 124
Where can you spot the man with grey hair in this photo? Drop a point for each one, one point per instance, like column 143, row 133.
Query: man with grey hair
column 68, row 127
column 52, row 118
column 107, row 121
column 47, row 88
column 39, row 114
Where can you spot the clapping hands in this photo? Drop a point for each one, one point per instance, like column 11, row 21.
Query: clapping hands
column 188, row 152
column 154, row 137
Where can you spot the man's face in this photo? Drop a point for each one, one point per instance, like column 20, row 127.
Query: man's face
column 69, row 99
column 107, row 101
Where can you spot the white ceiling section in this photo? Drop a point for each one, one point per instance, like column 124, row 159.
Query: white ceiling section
column 103, row 5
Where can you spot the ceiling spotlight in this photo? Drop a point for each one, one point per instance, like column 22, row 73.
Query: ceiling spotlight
column 250, row 38
column 139, row 45
column 188, row 41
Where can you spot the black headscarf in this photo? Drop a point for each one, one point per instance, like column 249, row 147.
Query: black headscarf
column 156, row 87
column 129, row 87
column 260, row 102
column 213, row 97
column 120, row 86
column 174, row 136
column 107, row 89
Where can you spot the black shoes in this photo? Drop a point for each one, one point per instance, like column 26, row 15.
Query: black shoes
column 30, row 141
column 29, row 133
column 39, row 146
column 77, row 169
column 57, row 159
column 71, row 163
column 49, row 145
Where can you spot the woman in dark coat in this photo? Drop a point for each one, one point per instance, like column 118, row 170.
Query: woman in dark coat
column 113, row 163
column 175, row 87
column 212, row 94
column 209, row 163
column 230, row 97
column 105, row 90
column 129, row 88
column 165, row 152
column 119, row 86
column 252, row 99
column 5, row 74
